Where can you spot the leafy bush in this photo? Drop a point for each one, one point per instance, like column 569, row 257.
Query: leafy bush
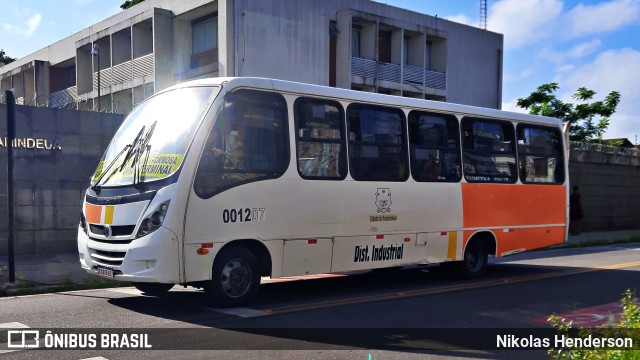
column 628, row 326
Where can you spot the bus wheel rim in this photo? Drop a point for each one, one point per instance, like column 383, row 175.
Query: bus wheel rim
column 236, row 278
column 473, row 260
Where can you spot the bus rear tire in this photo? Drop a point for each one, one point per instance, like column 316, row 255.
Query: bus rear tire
column 154, row 289
column 474, row 263
column 235, row 278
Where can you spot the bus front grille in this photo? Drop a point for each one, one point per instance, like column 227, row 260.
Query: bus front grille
column 116, row 230
column 109, row 258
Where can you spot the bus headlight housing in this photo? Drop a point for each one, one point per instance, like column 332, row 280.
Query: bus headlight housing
column 153, row 221
column 83, row 223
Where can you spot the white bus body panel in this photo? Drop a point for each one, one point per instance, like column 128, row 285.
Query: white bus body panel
column 348, row 212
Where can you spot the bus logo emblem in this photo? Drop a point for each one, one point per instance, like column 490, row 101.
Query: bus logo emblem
column 383, row 200
column 106, row 231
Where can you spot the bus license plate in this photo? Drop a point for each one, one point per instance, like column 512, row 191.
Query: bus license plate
column 105, row 271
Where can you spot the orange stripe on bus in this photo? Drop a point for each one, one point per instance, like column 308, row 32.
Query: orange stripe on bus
column 522, row 238
column 93, row 213
column 502, row 205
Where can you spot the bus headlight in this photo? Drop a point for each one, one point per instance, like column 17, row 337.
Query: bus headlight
column 83, row 223
column 153, row 221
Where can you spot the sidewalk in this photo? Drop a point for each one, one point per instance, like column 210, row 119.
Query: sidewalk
column 53, row 269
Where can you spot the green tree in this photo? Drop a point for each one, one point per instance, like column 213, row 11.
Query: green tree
column 129, row 3
column 4, row 58
column 587, row 120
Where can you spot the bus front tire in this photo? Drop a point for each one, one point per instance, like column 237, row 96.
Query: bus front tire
column 155, row 289
column 475, row 260
column 235, row 278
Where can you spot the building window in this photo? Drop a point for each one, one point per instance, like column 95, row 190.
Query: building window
column 355, row 42
column 70, row 75
column 488, row 151
column 204, row 41
column 405, row 51
column 540, row 155
column 435, row 147
column 427, row 55
column 377, row 145
column 320, row 139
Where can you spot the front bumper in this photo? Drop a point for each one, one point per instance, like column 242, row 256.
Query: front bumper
column 151, row 258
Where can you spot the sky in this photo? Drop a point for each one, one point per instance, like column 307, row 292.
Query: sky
column 591, row 43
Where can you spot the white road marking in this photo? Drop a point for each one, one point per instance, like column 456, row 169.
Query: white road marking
column 13, row 325
column 126, row 290
column 4, row 347
column 96, row 358
column 240, row 311
column 268, row 280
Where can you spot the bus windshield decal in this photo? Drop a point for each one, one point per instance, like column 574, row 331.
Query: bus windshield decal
column 157, row 166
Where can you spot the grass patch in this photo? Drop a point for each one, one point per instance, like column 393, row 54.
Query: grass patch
column 627, row 327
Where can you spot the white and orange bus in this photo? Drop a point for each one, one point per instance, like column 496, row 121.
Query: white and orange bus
column 215, row 183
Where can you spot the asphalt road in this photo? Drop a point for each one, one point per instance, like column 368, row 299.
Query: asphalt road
column 415, row 313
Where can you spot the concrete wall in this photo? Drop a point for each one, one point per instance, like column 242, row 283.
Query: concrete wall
column 474, row 66
column 49, row 184
column 286, row 40
column 609, row 187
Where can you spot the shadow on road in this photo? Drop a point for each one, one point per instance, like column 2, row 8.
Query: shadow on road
column 422, row 309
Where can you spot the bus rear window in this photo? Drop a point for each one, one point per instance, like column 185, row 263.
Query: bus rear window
column 540, row 155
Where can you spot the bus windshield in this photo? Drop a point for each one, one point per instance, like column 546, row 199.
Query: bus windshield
column 152, row 141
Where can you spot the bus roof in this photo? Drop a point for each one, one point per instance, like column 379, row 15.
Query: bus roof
column 366, row 97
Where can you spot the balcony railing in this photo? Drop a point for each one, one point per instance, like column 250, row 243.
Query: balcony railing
column 363, row 67
column 143, row 66
column 413, row 75
column 117, row 74
column 64, row 97
column 389, row 72
column 435, row 79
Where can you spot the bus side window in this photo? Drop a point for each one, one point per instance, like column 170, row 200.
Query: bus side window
column 434, row 147
column 248, row 142
column 489, row 152
column 540, row 155
column 377, row 143
column 320, row 141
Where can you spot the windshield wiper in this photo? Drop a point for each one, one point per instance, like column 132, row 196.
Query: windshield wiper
column 104, row 173
column 130, row 151
column 144, row 147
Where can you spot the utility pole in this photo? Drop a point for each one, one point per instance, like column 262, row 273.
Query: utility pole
column 11, row 134
column 96, row 52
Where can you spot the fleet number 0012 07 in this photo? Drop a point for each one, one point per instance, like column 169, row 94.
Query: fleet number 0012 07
column 242, row 215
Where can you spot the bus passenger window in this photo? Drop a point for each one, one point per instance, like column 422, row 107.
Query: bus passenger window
column 320, row 139
column 434, row 147
column 489, row 151
column 377, row 144
column 248, row 143
column 540, row 155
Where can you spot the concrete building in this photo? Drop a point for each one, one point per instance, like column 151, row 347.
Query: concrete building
column 357, row 44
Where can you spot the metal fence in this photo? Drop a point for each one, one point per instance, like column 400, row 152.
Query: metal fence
column 576, row 145
column 412, row 75
column 59, row 100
